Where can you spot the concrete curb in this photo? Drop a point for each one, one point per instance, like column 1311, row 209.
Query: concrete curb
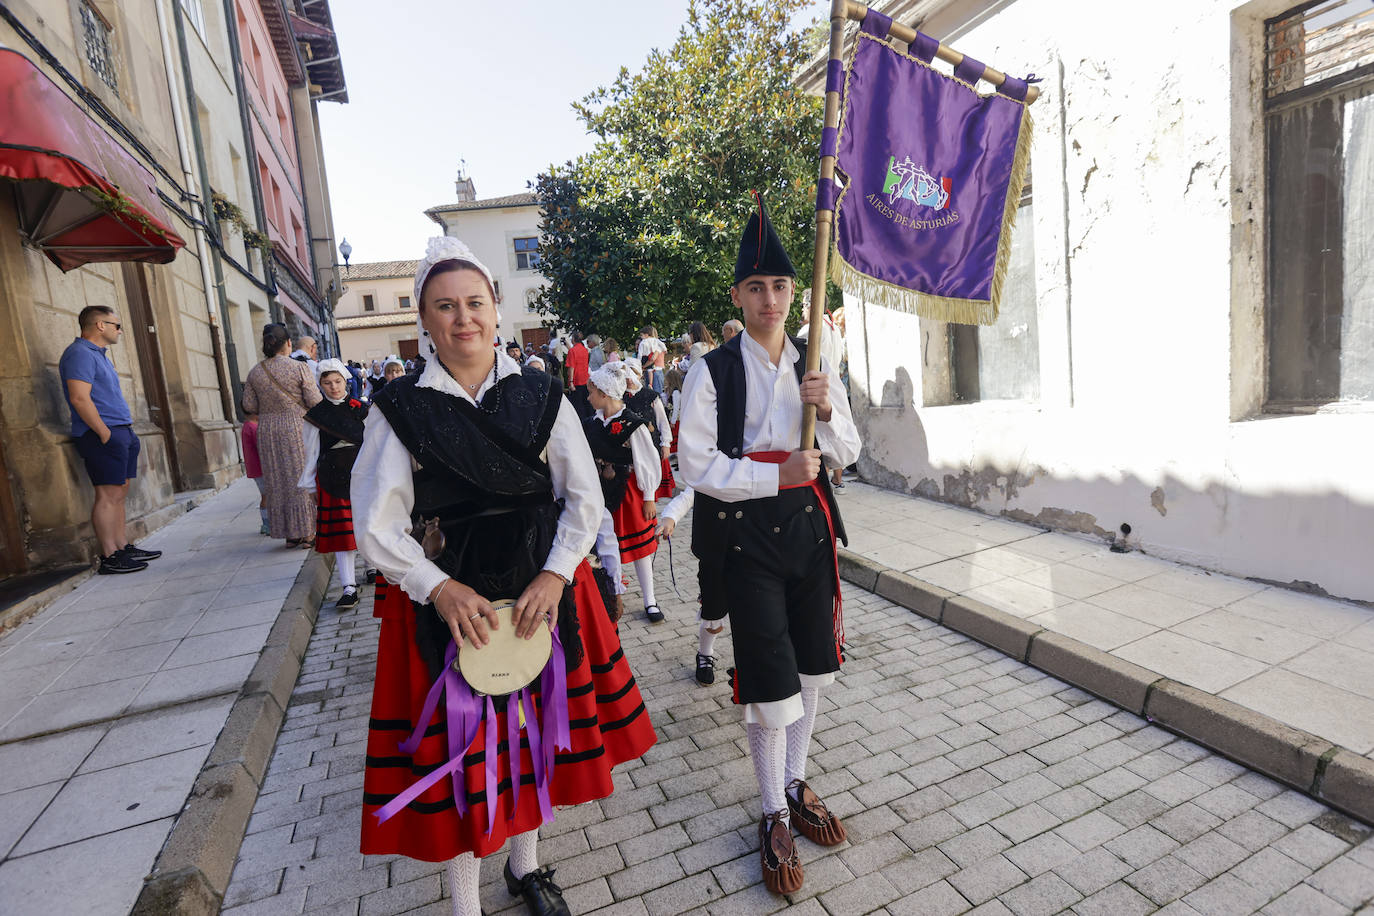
column 1316, row 766
column 192, row 871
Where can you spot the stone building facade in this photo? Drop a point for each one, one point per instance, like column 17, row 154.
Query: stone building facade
column 1184, row 361
column 376, row 314
column 157, row 83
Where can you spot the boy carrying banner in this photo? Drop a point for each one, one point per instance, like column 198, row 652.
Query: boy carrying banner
column 766, row 525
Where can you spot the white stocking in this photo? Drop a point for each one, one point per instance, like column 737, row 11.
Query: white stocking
column 343, row 562
column 799, row 735
column 608, row 551
column 463, row 873
column 524, row 849
column 768, row 747
column 706, row 635
column 644, row 569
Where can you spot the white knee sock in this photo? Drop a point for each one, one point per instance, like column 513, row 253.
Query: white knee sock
column 524, row 848
column 768, row 748
column 799, row 735
column 608, row 551
column 343, row 564
column 463, row 872
column 644, row 569
column 707, row 632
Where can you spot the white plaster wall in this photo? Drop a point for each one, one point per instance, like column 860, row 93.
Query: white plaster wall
column 1144, row 252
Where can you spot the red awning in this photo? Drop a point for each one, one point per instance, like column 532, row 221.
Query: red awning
column 80, row 196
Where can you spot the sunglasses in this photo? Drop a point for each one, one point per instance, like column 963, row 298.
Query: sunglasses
column 118, row 326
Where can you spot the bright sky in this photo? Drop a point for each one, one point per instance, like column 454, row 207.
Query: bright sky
column 431, row 82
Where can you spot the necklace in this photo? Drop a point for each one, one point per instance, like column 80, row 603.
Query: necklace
column 473, row 387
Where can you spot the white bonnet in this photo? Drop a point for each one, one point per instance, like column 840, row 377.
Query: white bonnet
column 610, row 380
column 634, row 363
column 393, row 359
column 443, row 248
column 332, row 365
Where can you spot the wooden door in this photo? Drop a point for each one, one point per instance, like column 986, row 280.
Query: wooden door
column 536, row 337
column 141, row 322
column 13, row 559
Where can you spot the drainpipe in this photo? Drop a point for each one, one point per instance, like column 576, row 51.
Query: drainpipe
column 203, row 248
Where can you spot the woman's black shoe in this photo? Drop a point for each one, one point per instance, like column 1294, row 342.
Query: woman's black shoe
column 138, row 553
column 119, row 562
column 542, row 896
column 653, row 613
column 348, row 600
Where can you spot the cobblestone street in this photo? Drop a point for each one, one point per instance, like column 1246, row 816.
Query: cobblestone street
column 968, row 781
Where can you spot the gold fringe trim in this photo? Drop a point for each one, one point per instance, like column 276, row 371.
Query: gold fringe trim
column 938, row 308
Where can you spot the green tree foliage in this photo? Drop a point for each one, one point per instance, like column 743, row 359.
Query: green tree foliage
column 645, row 228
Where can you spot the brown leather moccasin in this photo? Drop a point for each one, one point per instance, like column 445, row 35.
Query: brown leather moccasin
column 782, row 869
column 812, row 817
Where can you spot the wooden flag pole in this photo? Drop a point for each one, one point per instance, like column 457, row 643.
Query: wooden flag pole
column 840, row 12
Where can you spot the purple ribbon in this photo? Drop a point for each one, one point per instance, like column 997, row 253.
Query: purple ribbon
column 464, row 710
column 876, row 24
column 830, row 141
column 826, row 193
column 970, row 70
column 924, row 47
column 834, row 76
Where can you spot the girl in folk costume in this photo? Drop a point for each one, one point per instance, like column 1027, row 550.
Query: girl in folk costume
column 713, row 613
column 630, row 469
column 332, row 433
column 493, row 464
column 644, row 401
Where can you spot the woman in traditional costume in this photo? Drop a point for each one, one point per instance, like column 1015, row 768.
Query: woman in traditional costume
column 492, row 461
column 644, row 401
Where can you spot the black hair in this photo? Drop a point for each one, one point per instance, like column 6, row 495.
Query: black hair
column 91, row 314
column 273, row 337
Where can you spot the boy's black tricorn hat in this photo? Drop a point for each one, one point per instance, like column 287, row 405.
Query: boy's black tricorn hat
column 760, row 249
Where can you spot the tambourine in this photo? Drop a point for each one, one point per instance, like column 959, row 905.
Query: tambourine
column 507, row 662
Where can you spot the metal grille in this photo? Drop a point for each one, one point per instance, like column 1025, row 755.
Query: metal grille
column 98, row 53
column 1317, row 42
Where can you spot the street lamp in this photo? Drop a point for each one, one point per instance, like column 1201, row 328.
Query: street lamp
column 345, row 249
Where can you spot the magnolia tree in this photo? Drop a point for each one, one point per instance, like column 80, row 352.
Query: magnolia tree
column 644, row 229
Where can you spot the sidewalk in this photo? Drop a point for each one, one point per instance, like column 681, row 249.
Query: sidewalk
column 1297, row 660
column 112, row 698
column 968, row 781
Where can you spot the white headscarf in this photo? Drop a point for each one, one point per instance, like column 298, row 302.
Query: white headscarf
column 442, row 248
column 333, row 365
column 610, row 380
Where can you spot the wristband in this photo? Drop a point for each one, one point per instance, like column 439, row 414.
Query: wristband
column 443, row 585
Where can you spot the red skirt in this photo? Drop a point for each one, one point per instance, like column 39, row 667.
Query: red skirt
column 636, row 535
column 665, row 489
column 672, row 450
column 609, row 726
column 334, row 523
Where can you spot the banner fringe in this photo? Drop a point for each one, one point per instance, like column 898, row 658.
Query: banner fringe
column 1020, row 163
column 913, row 302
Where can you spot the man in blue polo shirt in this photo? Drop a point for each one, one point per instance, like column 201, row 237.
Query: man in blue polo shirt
column 103, row 429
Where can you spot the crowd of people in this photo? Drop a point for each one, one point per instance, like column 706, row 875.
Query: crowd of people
column 496, row 492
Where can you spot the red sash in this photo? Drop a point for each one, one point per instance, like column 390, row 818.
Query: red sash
column 815, row 485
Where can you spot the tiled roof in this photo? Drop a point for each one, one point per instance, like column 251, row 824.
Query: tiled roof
column 527, row 199
column 380, row 270
column 394, row 319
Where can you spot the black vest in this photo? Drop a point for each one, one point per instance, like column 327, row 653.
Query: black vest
column 610, row 444
column 482, row 475
column 726, row 365
column 642, row 403
column 341, row 433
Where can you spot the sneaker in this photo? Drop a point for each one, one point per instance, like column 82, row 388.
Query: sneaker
column 348, row 600
column 653, row 613
column 706, row 669
column 138, row 553
column 117, row 563
column 838, row 486
column 264, row 530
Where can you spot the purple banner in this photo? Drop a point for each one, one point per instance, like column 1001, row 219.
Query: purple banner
column 933, row 174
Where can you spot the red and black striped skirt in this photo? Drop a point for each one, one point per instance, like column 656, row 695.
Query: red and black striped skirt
column 635, row 534
column 665, row 489
column 334, row 523
column 609, row 725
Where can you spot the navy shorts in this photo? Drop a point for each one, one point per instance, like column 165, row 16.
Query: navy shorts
column 113, row 463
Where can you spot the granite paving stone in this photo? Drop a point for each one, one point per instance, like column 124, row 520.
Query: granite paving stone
column 969, row 783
